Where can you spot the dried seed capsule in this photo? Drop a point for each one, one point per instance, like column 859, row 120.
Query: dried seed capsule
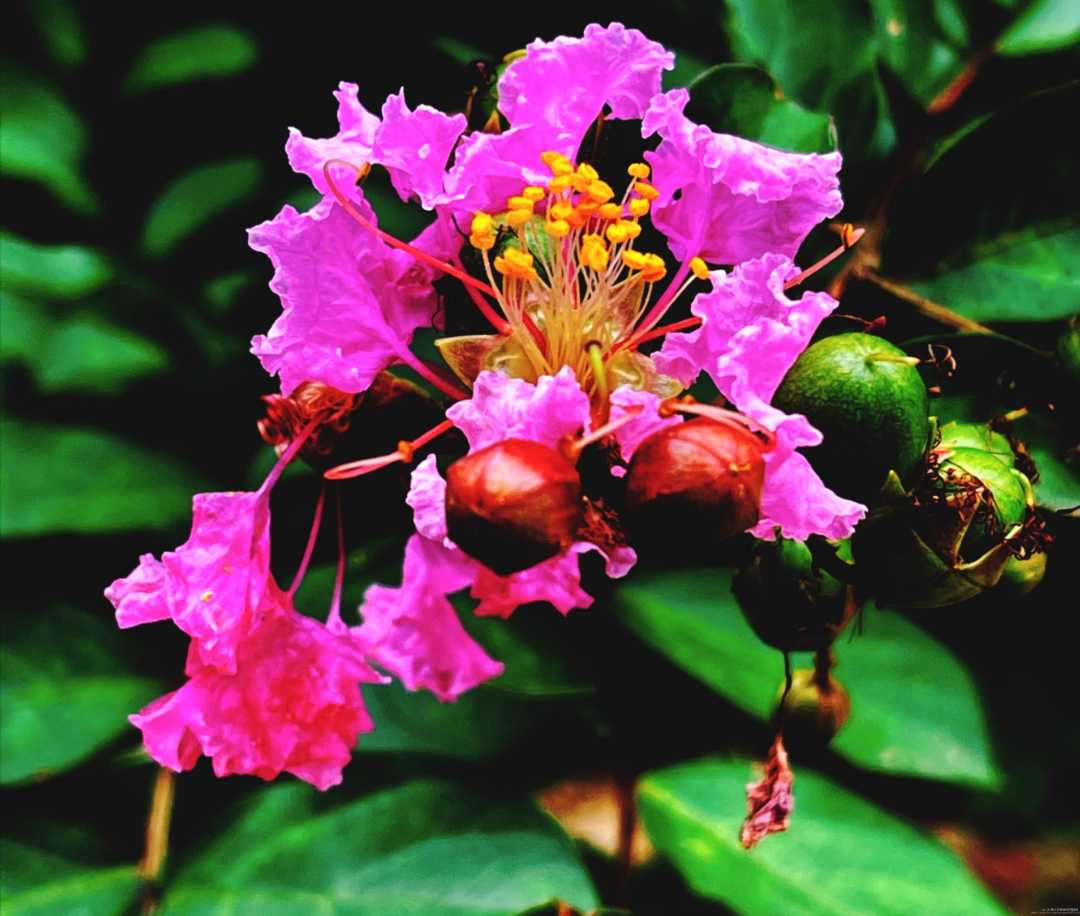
column 513, row 504
column 700, row 476
column 813, row 712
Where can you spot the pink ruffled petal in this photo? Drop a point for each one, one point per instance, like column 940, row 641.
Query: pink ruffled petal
column 737, row 200
column 211, row 586
column 353, row 143
column 507, row 408
column 413, row 631
column 556, row 581
column 414, row 146
column 648, row 421
column 350, row 302
column 427, row 499
column 293, row 704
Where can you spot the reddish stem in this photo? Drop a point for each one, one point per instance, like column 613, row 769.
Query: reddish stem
column 309, row 548
column 849, row 240
column 333, row 619
column 684, row 325
column 404, row 453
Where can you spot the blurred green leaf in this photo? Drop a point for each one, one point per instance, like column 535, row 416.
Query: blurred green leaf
column 688, row 67
column 65, row 690
column 195, row 198
column 26, row 866
column 100, row 892
column 1044, row 25
column 221, row 292
column 1058, row 486
column 42, row 139
column 425, row 848
column 840, row 855
column 743, row 100
column 200, row 53
column 57, row 271
column 80, row 352
column 460, row 52
column 914, row 45
column 60, row 27
column 915, row 710
column 87, row 481
column 1024, row 276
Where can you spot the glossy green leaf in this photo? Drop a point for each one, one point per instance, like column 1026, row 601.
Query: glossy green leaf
column 743, row 100
column 55, row 271
column 1058, row 486
column 195, row 198
column 60, row 27
column 841, row 856
column 1028, row 276
column 915, row 709
column 62, row 698
column 98, row 892
column 1043, row 25
column 80, row 352
column 916, row 47
column 196, row 54
column 42, row 139
column 83, row 480
column 428, row 848
column 460, row 52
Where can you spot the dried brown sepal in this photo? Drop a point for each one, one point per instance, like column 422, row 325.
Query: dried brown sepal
column 770, row 801
column 286, row 416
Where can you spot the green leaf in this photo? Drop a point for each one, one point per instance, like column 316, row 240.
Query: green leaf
column 79, row 352
column 65, row 690
column 42, row 139
column 196, row 54
column 427, row 848
column 1026, row 276
column 914, row 45
column 86, row 481
column 841, row 854
column 1044, row 25
column 743, row 100
column 915, row 709
column 193, row 199
column 60, row 27
column 101, row 892
column 460, row 52
column 56, row 271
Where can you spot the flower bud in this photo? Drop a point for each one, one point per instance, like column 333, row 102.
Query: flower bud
column 513, row 504
column 698, row 476
column 791, row 604
column 812, row 713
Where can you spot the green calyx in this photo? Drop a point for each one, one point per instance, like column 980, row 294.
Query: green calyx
column 871, row 405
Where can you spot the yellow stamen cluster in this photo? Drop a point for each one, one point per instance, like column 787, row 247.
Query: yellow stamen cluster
column 699, row 268
column 573, row 284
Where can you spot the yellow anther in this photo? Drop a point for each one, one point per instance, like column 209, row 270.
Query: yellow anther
column 588, row 207
column 518, row 217
column 561, row 209
column 627, row 229
column 558, row 228
column 609, row 211
column 551, row 158
column 594, row 254
column 481, row 241
column 638, row 170
column 561, row 183
column 579, row 183
column 635, row 260
column 587, row 172
column 654, row 269
column 646, row 190
column 534, row 193
column 699, row 268
column 482, row 224
column 516, row 264
column 617, row 233
column 576, row 219
column 519, row 203
column 600, row 191
column 639, row 206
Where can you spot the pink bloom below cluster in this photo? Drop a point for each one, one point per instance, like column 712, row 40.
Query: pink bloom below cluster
column 270, row 690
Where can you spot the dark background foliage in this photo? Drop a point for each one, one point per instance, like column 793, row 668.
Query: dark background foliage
column 138, row 143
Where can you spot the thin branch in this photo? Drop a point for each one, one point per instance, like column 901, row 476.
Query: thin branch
column 926, row 307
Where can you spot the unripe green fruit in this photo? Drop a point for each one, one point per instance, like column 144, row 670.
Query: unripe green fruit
column 1022, row 577
column 810, row 714
column 871, row 406
column 791, row 605
column 976, row 435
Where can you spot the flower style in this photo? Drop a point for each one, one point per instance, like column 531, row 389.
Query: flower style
column 548, row 251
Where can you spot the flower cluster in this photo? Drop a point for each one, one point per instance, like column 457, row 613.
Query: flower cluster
column 571, row 299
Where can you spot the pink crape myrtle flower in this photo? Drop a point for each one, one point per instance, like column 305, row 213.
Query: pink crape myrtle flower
column 268, row 690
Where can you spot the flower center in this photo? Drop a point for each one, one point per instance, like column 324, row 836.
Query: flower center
column 571, row 283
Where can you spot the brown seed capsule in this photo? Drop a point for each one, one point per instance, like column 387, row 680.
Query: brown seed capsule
column 815, row 709
column 513, row 504
column 700, row 476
